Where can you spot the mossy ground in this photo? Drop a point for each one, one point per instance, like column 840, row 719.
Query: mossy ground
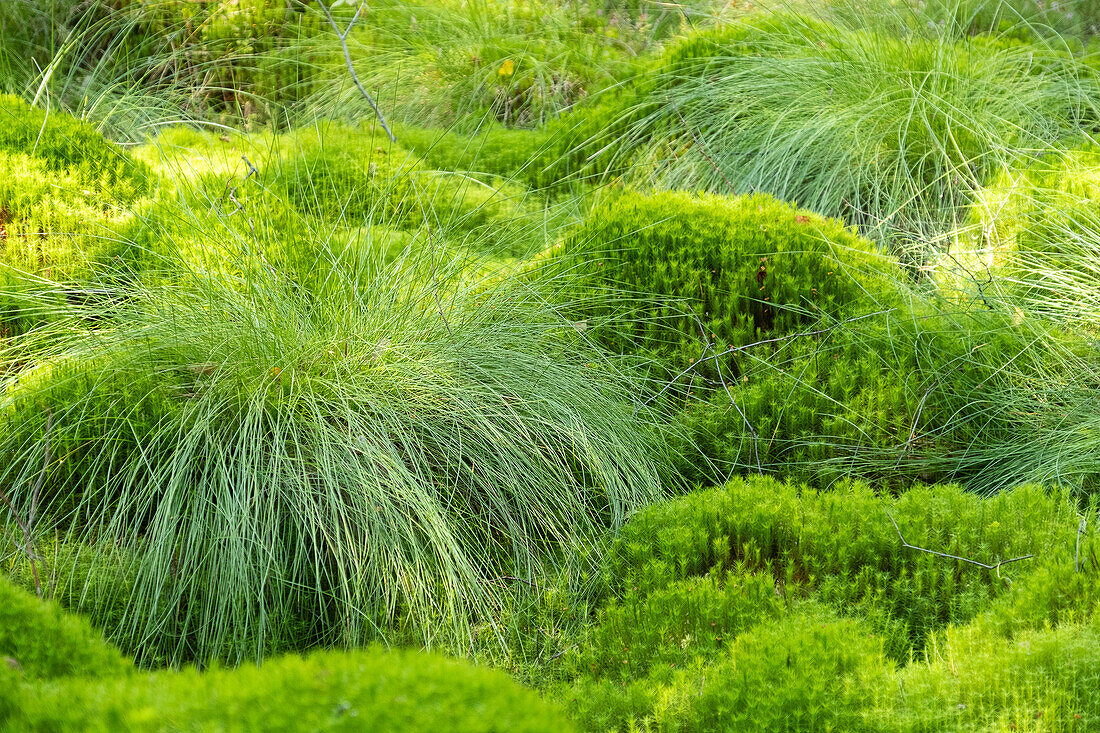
column 275, row 387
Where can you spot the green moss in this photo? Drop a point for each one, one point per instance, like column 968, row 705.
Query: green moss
column 841, row 546
column 358, row 690
column 67, row 145
column 763, row 605
column 809, row 671
column 652, row 631
column 65, row 192
column 529, row 156
column 728, row 271
column 971, row 679
column 811, row 410
column 46, row 642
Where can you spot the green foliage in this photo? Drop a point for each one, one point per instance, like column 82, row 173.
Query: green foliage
column 730, row 271
column 892, row 132
column 66, row 145
column 529, row 156
column 131, row 66
column 651, row 631
column 811, row 409
column 64, row 191
column 352, row 174
column 250, row 57
column 1056, row 593
column 723, row 611
column 44, row 642
column 1063, row 21
column 52, row 223
column 1043, row 679
column 806, row 672
column 521, row 64
column 842, row 545
column 348, row 454
column 969, row 389
column 357, row 690
column 356, row 174
column 1031, row 237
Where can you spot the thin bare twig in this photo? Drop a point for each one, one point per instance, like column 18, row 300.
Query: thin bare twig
column 28, row 543
column 343, row 36
column 251, row 169
column 722, row 379
column 995, row 566
column 563, row 651
column 233, row 197
column 518, row 580
column 735, row 349
column 1077, row 550
column 232, row 190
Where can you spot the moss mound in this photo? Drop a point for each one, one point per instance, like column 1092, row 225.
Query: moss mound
column 41, row 641
column 358, row 690
column 760, row 602
column 67, row 145
column 64, row 192
column 728, row 271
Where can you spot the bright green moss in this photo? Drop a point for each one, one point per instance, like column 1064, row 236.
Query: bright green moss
column 808, row 671
column 810, row 411
column 46, row 643
column 65, row 192
column 974, row 680
column 762, row 605
column 728, row 271
column 68, row 145
column 841, row 546
column 354, row 176
column 52, row 223
column 652, row 631
column 357, row 690
column 525, row 155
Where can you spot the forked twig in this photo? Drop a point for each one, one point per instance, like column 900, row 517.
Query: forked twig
column 343, row 36
column 251, row 169
column 996, row 566
column 561, row 653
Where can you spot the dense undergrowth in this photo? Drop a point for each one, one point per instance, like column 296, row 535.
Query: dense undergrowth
column 699, row 366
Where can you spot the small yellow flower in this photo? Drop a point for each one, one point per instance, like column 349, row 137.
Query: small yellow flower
column 507, row 68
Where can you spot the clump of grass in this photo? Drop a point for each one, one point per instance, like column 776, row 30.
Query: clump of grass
column 893, row 133
column 518, row 63
column 131, row 67
column 290, row 458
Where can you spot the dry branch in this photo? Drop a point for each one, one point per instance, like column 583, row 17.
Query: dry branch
column 995, row 566
column 343, row 36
